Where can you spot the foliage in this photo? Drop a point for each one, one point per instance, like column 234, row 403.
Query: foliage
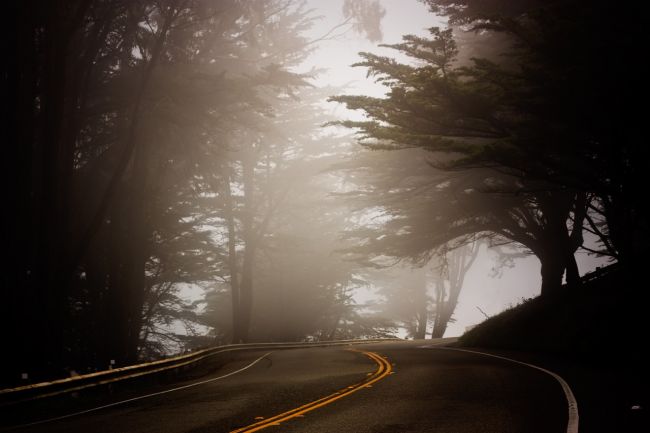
column 486, row 129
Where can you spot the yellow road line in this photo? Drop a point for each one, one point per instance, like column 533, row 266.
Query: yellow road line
column 384, row 369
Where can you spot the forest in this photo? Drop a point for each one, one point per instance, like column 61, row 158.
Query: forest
column 158, row 148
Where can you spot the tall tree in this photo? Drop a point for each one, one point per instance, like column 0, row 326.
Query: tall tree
column 465, row 120
column 451, row 276
column 564, row 87
column 416, row 298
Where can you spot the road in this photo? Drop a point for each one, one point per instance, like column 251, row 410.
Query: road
column 376, row 388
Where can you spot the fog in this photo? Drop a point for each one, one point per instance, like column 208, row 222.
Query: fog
column 198, row 173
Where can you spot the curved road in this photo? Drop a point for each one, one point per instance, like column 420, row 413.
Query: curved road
column 374, row 388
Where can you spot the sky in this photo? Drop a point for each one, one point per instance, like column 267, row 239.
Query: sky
column 481, row 289
column 402, row 17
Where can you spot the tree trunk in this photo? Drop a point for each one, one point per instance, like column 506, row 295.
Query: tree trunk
column 334, row 328
column 115, row 318
column 246, row 295
column 439, row 329
column 18, row 228
column 232, row 258
column 459, row 261
column 576, row 239
column 552, row 271
column 423, row 319
column 54, row 168
column 572, row 272
column 246, row 286
column 137, row 248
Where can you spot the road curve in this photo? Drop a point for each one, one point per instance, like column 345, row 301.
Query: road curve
column 375, row 388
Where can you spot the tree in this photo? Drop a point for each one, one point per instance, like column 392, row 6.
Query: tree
column 366, row 16
column 60, row 52
column 268, row 143
column 301, row 289
column 569, row 91
column 120, row 106
column 466, row 121
column 416, row 297
column 406, row 298
column 452, row 269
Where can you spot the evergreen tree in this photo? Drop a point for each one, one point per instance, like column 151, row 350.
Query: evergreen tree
column 476, row 139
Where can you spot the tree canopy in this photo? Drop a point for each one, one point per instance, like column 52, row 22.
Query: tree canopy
column 511, row 140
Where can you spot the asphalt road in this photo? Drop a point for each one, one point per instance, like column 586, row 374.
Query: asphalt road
column 421, row 388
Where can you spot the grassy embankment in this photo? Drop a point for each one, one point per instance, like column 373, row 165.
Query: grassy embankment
column 578, row 322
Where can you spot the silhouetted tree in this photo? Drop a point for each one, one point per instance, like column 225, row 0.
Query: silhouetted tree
column 467, row 123
column 115, row 113
column 416, row 297
column 449, row 282
column 588, row 133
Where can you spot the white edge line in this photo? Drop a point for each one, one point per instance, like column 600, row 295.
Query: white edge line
column 117, row 403
column 572, row 424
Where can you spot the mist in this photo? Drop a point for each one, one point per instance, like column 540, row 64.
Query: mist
column 186, row 174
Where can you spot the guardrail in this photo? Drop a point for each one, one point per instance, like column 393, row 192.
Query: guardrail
column 77, row 383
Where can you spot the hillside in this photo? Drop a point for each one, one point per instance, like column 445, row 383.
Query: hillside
column 576, row 322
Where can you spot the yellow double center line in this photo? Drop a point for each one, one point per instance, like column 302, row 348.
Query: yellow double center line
column 384, row 369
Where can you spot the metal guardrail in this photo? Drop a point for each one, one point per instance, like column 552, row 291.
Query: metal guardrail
column 77, row 383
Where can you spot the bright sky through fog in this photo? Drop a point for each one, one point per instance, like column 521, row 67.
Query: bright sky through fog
column 402, row 17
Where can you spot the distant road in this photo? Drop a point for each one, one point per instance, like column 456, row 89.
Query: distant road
column 393, row 387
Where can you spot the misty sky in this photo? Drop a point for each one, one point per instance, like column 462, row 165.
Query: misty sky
column 402, row 17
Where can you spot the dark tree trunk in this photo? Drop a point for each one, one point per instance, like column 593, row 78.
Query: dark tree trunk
column 54, row 166
column 246, row 295
column 575, row 239
column 572, row 272
column 246, row 286
column 115, row 326
column 95, row 286
column 554, row 247
column 553, row 266
column 232, row 259
column 423, row 319
column 135, row 253
column 459, row 261
column 18, row 225
column 439, row 330
column 335, row 327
